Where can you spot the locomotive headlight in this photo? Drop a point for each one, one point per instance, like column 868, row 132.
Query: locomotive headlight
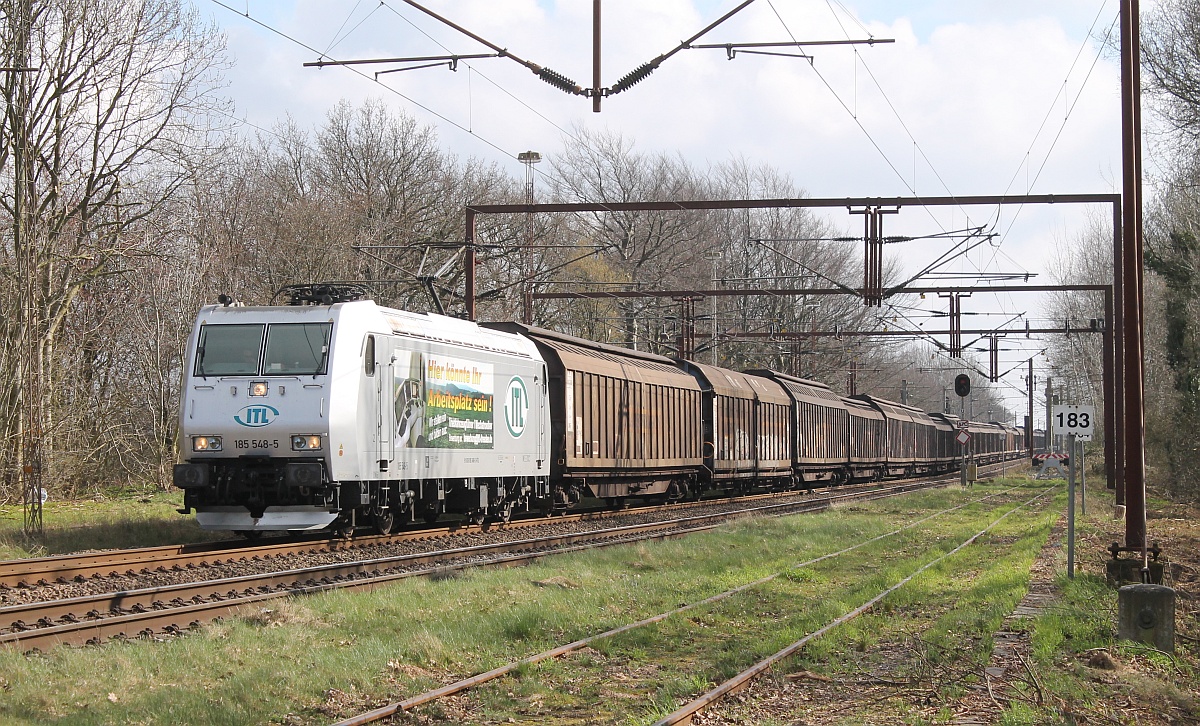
column 206, row 443
column 258, row 388
column 306, row 442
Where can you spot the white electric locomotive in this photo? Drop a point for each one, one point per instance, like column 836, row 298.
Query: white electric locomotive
column 333, row 411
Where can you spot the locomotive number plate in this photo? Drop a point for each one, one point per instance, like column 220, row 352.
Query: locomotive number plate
column 256, row 443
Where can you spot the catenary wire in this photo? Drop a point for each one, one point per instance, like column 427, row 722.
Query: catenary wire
column 336, row 40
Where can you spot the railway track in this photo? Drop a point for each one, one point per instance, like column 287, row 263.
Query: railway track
column 42, row 571
column 169, row 609
column 63, row 569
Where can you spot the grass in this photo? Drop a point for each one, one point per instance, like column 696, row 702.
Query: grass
column 311, row 660
column 116, row 519
column 1083, row 622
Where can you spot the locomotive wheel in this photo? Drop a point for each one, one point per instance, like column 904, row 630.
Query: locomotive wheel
column 431, row 513
column 506, row 511
column 343, row 529
column 384, row 521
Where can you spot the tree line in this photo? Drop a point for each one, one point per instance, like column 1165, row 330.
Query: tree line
column 128, row 199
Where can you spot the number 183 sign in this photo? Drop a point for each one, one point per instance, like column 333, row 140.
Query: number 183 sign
column 1078, row 420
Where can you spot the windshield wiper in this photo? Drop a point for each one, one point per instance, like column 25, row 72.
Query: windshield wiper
column 321, row 363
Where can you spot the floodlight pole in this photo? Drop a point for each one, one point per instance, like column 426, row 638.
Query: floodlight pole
column 596, row 90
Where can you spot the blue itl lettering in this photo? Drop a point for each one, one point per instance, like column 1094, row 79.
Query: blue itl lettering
column 256, row 416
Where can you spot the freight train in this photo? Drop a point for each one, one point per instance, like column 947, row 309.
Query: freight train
column 331, row 412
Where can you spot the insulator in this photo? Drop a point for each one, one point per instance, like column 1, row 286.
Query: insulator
column 634, row 77
column 559, row 81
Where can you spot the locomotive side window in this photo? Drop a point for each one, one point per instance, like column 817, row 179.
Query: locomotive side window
column 369, row 356
column 229, row 350
column 296, row 349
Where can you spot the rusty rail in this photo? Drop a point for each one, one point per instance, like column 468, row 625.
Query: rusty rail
column 684, row 714
column 468, row 683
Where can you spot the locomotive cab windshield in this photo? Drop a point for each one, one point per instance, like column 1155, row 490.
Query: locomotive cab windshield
column 290, row 349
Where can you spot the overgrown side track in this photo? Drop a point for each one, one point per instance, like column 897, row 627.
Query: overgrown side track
column 686, row 713
column 473, row 681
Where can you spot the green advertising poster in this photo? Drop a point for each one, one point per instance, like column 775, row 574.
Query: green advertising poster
column 458, row 403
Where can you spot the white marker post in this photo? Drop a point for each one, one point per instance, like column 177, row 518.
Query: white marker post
column 1078, row 423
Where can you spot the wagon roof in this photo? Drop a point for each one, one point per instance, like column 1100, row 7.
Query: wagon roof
column 599, row 358
column 739, row 385
column 802, row 389
column 944, row 422
column 862, row 409
column 898, row 411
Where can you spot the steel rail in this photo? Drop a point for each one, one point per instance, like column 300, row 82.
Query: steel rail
column 161, row 608
column 685, row 713
column 467, row 683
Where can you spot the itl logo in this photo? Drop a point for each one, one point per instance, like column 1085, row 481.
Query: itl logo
column 256, row 416
column 516, row 407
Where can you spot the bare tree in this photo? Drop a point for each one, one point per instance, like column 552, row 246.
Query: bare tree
column 781, row 248
column 1171, row 65
column 366, row 196
column 639, row 248
column 1076, row 360
column 94, row 136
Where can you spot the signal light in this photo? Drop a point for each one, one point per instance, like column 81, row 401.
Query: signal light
column 962, row 385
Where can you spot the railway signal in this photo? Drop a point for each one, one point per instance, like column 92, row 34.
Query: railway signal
column 962, row 385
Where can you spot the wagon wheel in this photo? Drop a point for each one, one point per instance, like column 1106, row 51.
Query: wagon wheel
column 431, row 513
column 384, row 521
column 506, row 510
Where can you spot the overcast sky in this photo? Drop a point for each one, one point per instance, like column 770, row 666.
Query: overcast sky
column 974, row 97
